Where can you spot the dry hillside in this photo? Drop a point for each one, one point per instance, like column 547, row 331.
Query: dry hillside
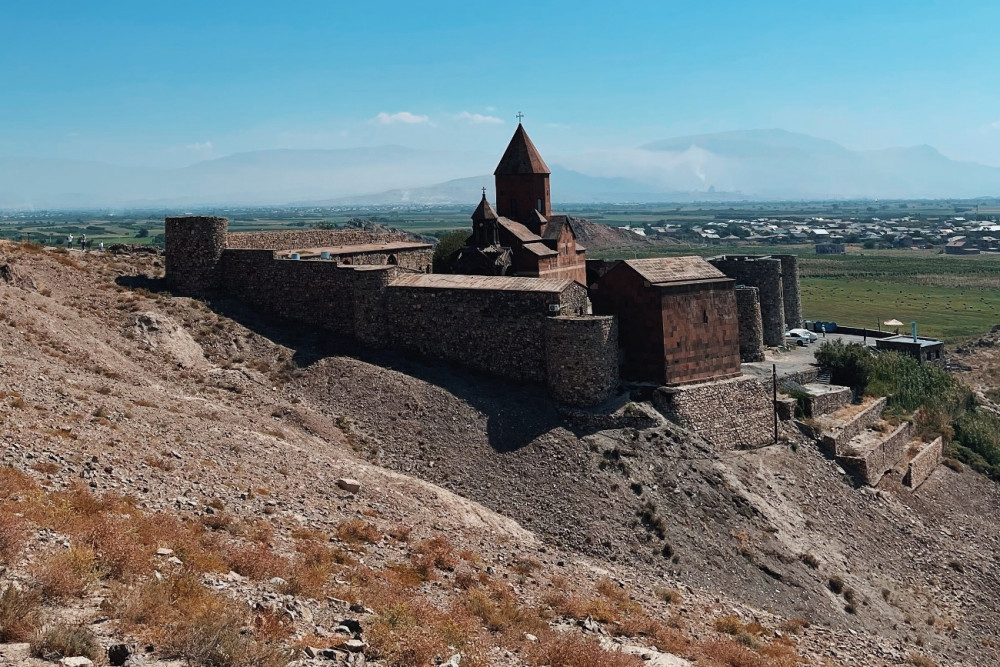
column 175, row 487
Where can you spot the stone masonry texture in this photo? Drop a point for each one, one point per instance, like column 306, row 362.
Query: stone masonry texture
column 790, row 290
column 764, row 273
column 193, row 248
column 751, row 329
column 833, row 442
column 730, row 414
column 870, row 466
column 923, row 464
column 581, row 355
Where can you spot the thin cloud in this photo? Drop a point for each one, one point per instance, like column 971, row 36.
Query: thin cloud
column 406, row 117
column 200, row 146
column 478, row 118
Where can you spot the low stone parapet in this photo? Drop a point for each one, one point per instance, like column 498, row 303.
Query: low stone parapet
column 924, row 463
column 824, row 399
column 868, row 467
column 834, row 440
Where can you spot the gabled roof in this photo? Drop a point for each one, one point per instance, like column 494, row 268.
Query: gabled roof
column 500, row 283
column 521, row 156
column 519, row 231
column 484, row 211
column 659, row 270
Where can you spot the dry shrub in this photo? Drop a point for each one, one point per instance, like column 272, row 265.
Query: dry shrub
column 190, row 622
column 20, row 613
column 794, row 625
column 918, row 660
column 66, row 573
column 669, row 595
column 14, row 482
column 433, row 553
column 499, row 610
column 524, row 566
column 218, row 521
column 256, row 561
column 62, row 640
column 47, row 467
column 564, row 649
column 312, row 569
column 13, row 535
column 120, row 554
column 728, row 653
column 358, row 530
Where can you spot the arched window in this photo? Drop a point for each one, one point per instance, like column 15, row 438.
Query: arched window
column 540, row 209
column 392, row 260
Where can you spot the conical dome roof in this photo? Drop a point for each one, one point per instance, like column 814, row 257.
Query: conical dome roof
column 521, row 156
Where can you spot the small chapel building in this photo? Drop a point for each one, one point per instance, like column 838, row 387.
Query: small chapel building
column 522, row 236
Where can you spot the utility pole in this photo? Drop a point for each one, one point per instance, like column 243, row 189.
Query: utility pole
column 774, row 387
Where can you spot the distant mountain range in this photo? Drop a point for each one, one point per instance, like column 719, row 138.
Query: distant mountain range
column 753, row 164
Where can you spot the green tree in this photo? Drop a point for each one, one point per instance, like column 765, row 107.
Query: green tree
column 448, row 243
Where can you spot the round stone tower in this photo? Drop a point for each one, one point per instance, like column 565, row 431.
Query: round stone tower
column 194, row 246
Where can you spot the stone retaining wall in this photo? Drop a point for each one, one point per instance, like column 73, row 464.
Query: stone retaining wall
column 581, row 354
column 731, row 414
column 827, row 402
column 833, row 441
column 869, row 467
column 924, row 463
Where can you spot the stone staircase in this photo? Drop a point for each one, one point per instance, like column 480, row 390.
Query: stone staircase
column 868, row 447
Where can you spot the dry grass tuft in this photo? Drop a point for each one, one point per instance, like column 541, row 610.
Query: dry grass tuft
column 66, row 574
column 20, row 614
column 62, row 640
column 564, row 649
column 358, row 531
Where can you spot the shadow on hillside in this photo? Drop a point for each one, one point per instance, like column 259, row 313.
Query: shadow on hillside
column 142, row 282
column 516, row 414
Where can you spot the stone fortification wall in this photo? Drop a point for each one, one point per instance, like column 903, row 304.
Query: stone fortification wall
column 416, row 259
column 317, row 293
column 870, row 466
column 731, row 414
column 765, row 275
column 498, row 331
column 923, row 464
column 581, row 356
column 295, row 239
column 193, row 247
column 834, row 441
column 790, row 290
column 751, row 328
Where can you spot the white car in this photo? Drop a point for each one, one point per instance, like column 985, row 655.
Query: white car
column 800, row 336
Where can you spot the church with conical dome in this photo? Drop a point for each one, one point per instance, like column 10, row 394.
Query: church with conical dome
column 522, row 236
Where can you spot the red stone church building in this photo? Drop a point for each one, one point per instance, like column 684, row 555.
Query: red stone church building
column 521, row 237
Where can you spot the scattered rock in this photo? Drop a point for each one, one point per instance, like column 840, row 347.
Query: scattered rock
column 349, row 485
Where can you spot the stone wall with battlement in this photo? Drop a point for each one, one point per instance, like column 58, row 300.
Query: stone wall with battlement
column 294, row 239
column 870, row 466
column 731, row 414
column 764, row 273
column 581, row 354
column 924, row 463
column 751, row 328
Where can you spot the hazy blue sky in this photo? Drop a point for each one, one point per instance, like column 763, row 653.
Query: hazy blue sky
column 174, row 82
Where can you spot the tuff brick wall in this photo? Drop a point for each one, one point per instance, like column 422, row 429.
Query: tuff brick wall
column 294, row 239
column 765, row 275
column 923, row 464
column 497, row 331
column 700, row 332
column 834, row 441
column 193, row 247
column 581, row 356
column 730, row 414
column 790, row 290
column 870, row 466
column 751, row 328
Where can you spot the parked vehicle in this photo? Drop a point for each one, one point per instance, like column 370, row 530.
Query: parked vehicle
column 799, row 337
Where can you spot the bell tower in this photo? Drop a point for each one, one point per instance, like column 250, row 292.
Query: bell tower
column 522, row 181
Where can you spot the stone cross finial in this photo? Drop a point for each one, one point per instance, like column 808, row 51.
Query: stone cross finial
column 484, row 193
column 519, row 117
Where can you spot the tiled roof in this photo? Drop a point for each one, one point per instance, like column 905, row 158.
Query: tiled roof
column 521, row 156
column 522, row 233
column 500, row 283
column 674, row 269
column 540, row 249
